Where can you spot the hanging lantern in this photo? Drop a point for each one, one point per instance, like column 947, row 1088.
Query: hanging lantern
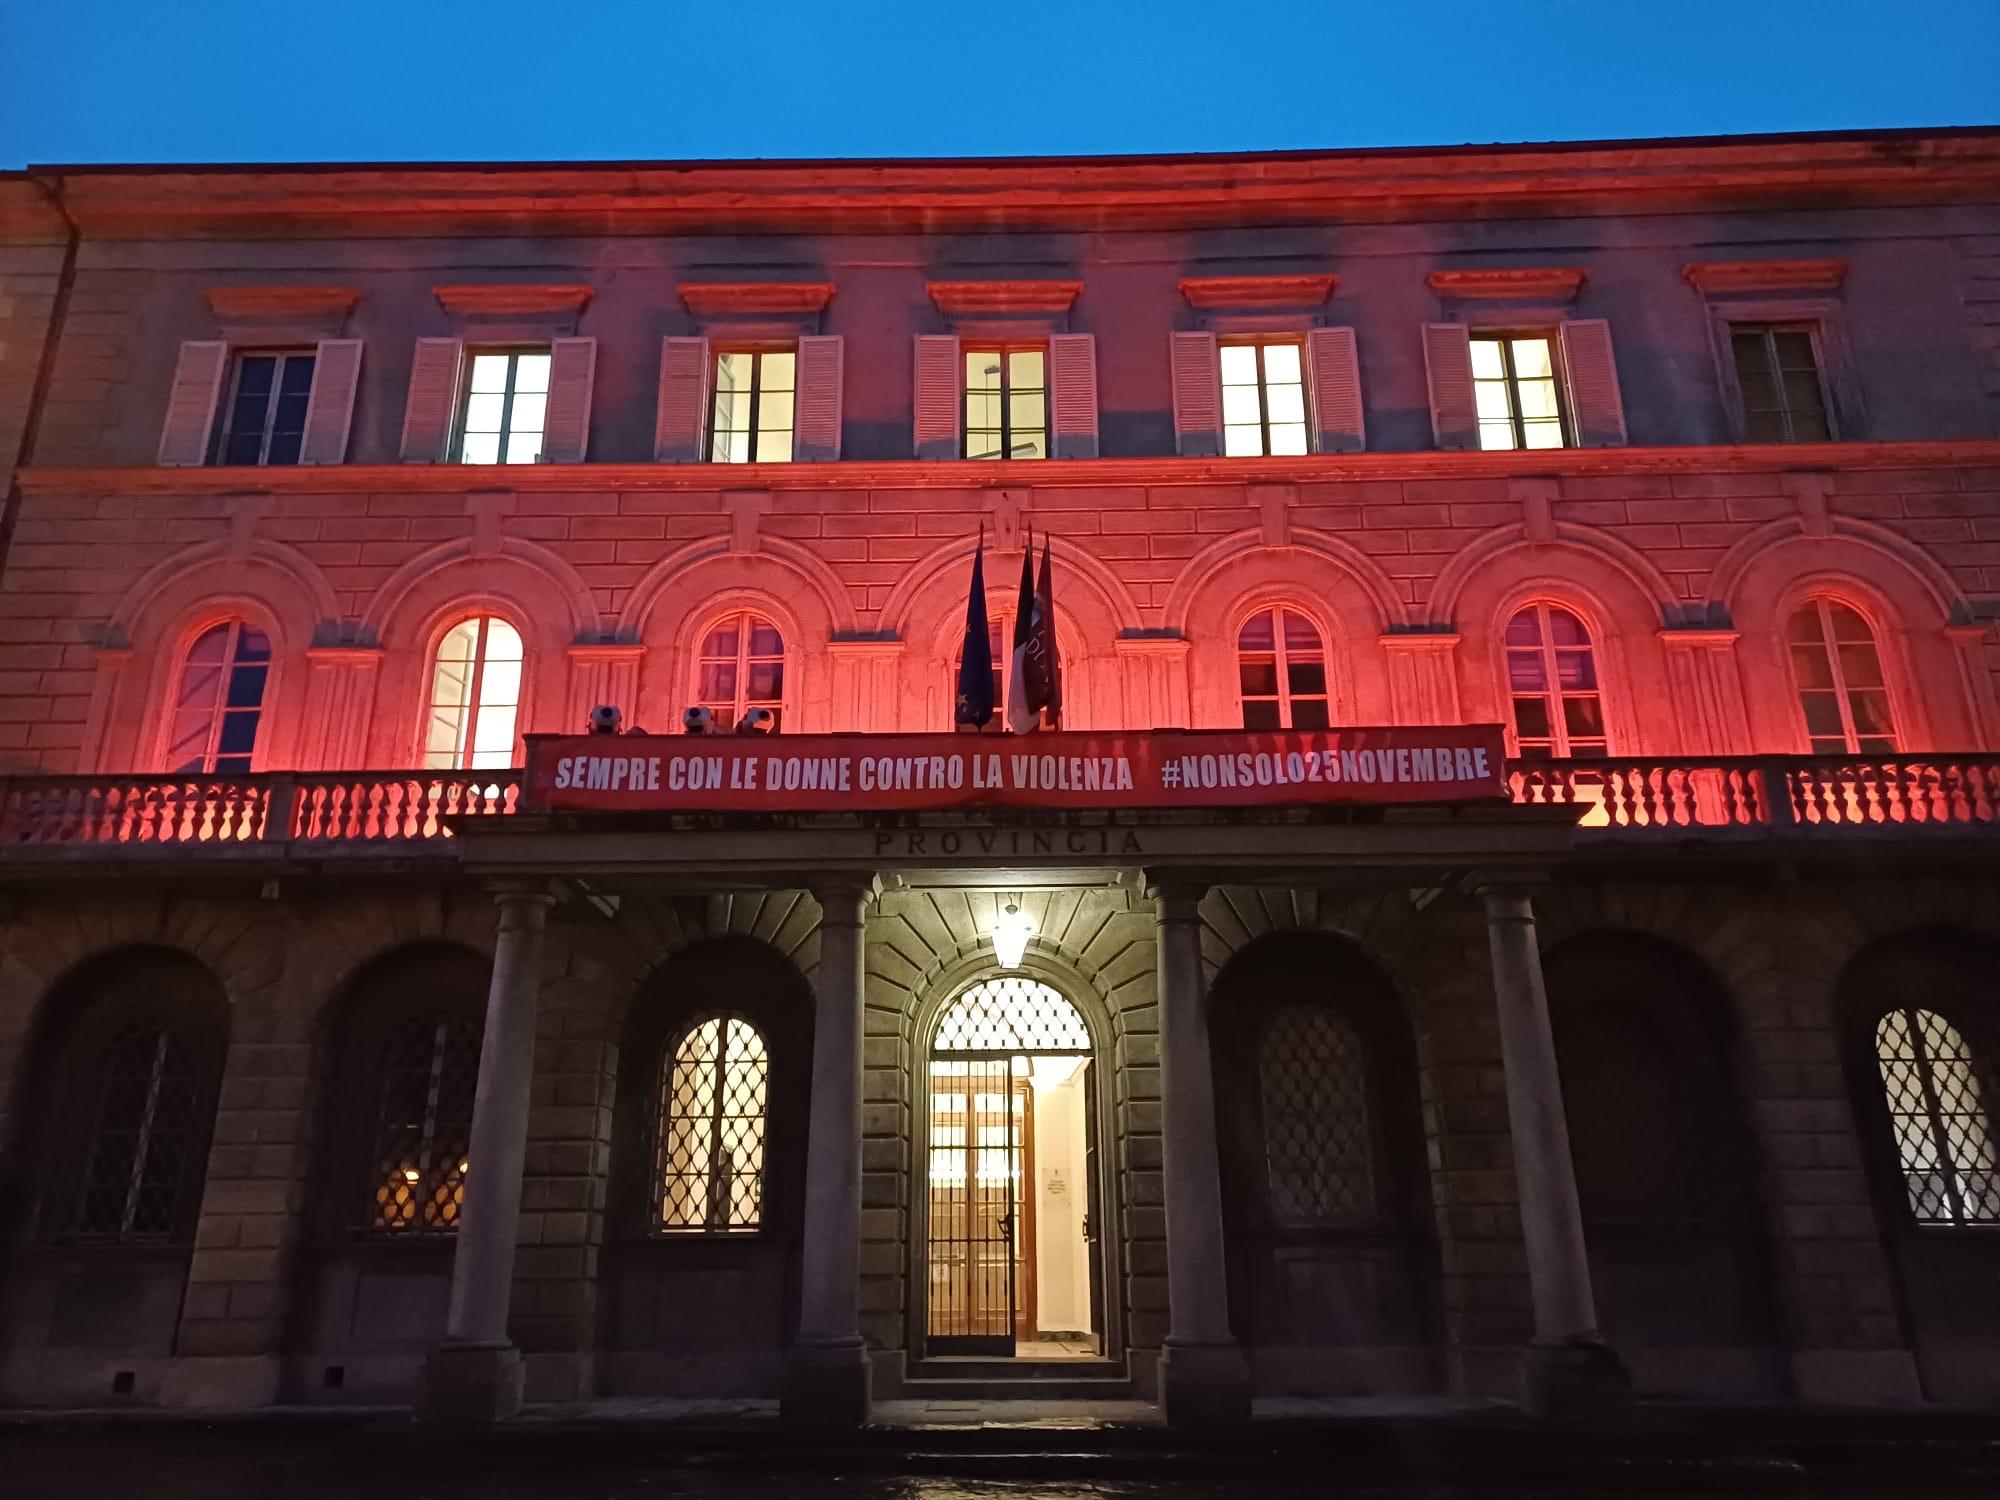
column 1011, row 930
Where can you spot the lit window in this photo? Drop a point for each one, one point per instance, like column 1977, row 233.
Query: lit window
column 1263, row 399
column 1006, row 403
column 752, row 418
column 1319, row 1155
column 1552, row 680
column 475, row 694
column 1838, row 671
column 220, row 701
column 1944, row 1134
column 268, row 395
column 709, row 1139
column 1777, row 372
column 135, row 1171
column 506, row 405
column 742, row 667
column 427, row 1076
column 1281, row 672
column 1514, row 383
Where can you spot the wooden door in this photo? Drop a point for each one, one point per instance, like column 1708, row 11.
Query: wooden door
column 972, row 1241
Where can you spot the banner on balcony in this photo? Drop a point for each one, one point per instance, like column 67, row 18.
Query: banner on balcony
column 1156, row 768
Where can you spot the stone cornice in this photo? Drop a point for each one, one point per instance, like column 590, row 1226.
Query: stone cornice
column 245, row 302
column 1766, row 275
column 958, row 297
column 1209, row 292
column 713, row 298
column 1562, row 180
column 979, row 478
column 1537, row 283
column 512, row 299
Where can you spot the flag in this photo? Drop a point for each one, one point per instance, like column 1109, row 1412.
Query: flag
column 1021, row 713
column 975, row 658
column 1044, row 667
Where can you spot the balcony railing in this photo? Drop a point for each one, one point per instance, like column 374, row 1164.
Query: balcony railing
column 1618, row 800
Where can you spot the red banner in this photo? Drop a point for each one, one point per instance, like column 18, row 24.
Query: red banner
column 1152, row 768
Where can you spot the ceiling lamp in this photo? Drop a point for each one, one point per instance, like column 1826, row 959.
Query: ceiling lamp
column 1011, row 930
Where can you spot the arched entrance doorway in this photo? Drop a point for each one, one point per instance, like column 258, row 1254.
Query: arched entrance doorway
column 1013, row 1218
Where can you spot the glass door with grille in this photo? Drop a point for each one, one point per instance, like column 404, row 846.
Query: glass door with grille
column 974, row 1240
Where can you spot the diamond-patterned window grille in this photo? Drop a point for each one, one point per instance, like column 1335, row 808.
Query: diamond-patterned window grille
column 1944, row 1133
column 135, row 1158
column 426, row 1077
column 708, row 1164
column 1319, row 1153
column 1011, row 1015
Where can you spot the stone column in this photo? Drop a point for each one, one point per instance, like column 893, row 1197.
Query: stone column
column 475, row 1375
column 826, row 1370
column 1570, row 1370
column 1204, row 1377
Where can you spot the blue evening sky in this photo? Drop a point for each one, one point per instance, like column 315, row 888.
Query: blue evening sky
column 500, row 80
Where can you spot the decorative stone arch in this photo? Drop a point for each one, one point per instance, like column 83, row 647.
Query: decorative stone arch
column 1346, row 595
column 535, row 591
column 676, row 603
column 272, row 586
column 1940, row 697
column 1621, row 598
column 926, row 609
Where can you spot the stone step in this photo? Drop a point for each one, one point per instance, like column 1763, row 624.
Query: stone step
column 955, row 1367
column 973, row 1393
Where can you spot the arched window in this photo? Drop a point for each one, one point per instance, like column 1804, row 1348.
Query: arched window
column 1552, row 683
column 1838, row 672
column 219, row 700
column 742, row 667
column 1319, row 1154
column 426, row 1075
column 146, row 1120
column 475, row 695
column 1931, row 1079
column 1281, row 671
column 708, row 1168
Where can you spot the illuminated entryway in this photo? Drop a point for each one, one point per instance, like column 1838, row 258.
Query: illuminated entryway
column 1013, row 1218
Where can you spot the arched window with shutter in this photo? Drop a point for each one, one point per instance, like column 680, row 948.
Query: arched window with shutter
column 1281, row 671
column 219, row 701
column 1935, row 1086
column 741, row 667
column 475, row 696
column 708, row 1169
column 1837, row 671
column 424, row 1079
column 1319, row 1154
column 1552, row 685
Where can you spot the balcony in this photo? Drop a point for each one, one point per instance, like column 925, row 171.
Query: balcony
column 1617, row 802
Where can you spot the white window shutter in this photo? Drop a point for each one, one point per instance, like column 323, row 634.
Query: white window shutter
column 330, row 407
column 682, row 415
column 572, row 377
column 433, row 395
column 935, row 410
column 1197, row 371
column 1448, row 365
column 191, row 403
column 1596, row 409
column 1073, row 395
column 816, row 419
column 1339, row 425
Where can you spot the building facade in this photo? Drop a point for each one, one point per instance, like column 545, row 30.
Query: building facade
column 333, row 1071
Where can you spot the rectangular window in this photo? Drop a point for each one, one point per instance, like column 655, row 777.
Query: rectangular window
column 506, row 404
column 266, row 411
column 751, row 420
column 1777, row 372
column 1519, row 398
column 1263, row 399
column 1007, row 402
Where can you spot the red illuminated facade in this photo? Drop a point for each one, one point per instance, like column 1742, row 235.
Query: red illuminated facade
column 1671, row 1072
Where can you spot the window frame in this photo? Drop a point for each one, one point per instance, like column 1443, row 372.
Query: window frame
column 219, row 448
column 746, row 613
column 461, row 410
column 717, row 352
column 1979, row 1065
column 462, row 754
column 1278, row 609
column 368, row 1222
column 1510, row 382
column 1552, row 693
column 1307, row 1010
column 219, row 713
column 1261, row 342
column 1814, row 330
column 1819, row 601
column 1005, row 349
column 661, row 1118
